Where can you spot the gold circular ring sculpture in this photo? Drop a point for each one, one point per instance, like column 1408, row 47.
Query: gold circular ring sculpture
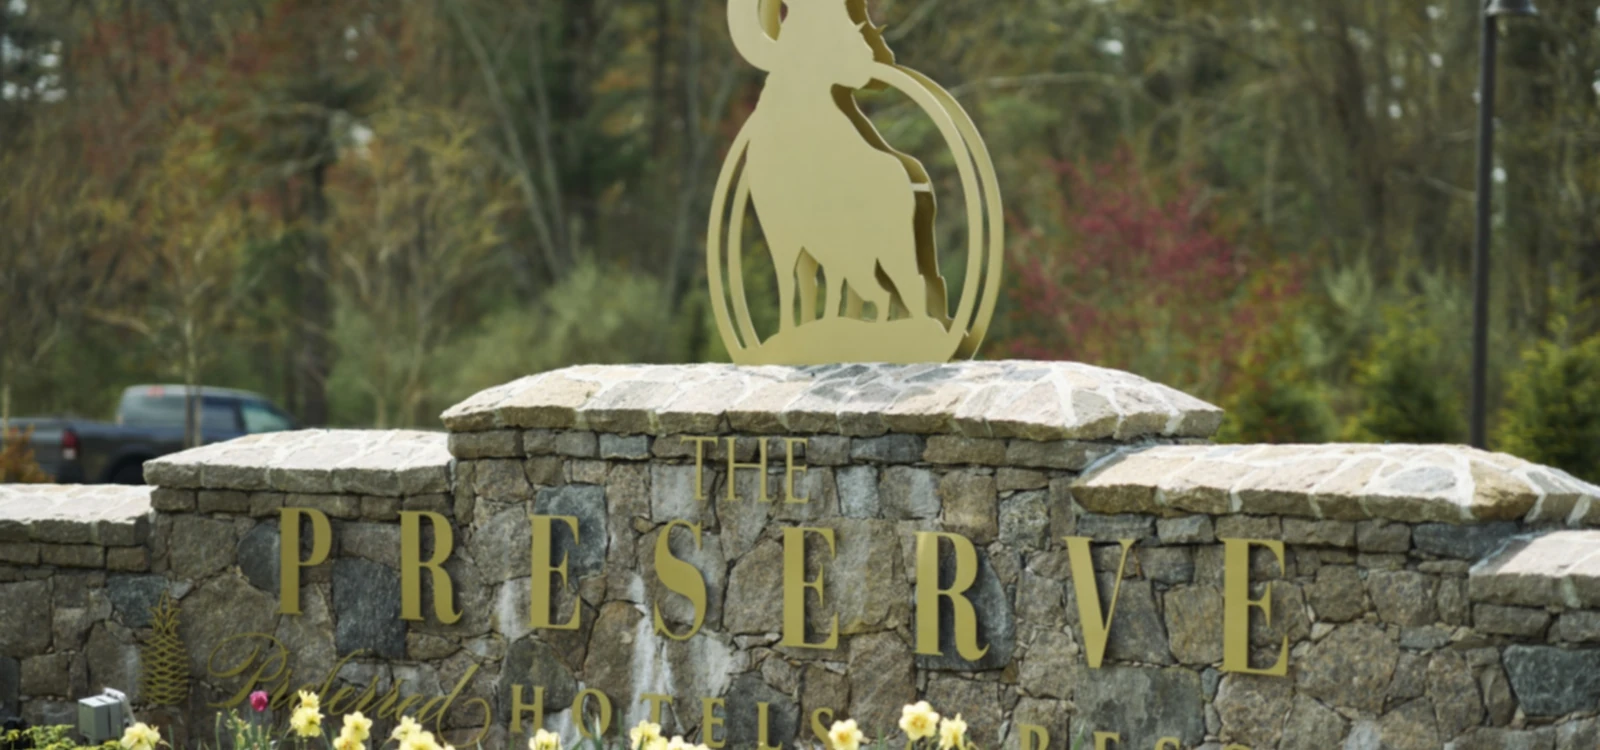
column 835, row 200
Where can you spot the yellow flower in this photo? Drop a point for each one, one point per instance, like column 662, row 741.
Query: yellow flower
column 347, row 741
column 140, row 736
column 919, row 721
column 309, row 700
column 306, row 721
column 845, row 736
column 656, row 743
column 678, row 743
column 419, row 740
column 408, row 726
column 952, row 734
column 358, row 726
column 641, row 735
column 544, row 740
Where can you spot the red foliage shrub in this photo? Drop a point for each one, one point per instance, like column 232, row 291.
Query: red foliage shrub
column 1130, row 276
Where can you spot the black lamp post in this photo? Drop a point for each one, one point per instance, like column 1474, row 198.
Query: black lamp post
column 1492, row 11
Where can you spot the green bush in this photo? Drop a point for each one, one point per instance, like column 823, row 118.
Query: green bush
column 49, row 738
column 597, row 315
column 1275, row 398
column 1404, row 386
column 1278, row 411
column 1552, row 414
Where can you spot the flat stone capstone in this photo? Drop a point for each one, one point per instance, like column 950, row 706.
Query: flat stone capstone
column 69, row 513
column 1559, row 569
column 1345, row 482
column 1001, row 399
column 385, row 463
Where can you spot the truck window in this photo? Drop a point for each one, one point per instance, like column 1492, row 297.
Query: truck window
column 217, row 416
column 151, row 410
column 262, row 418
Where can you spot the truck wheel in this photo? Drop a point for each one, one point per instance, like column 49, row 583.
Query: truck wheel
column 131, row 472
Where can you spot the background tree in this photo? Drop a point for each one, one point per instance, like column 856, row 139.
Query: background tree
column 50, row 250
column 189, row 225
column 1404, row 399
column 1225, row 196
column 411, row 255
column 312, row 90
column 1553, row 409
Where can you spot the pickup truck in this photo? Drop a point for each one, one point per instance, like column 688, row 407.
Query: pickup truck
column 149, row 424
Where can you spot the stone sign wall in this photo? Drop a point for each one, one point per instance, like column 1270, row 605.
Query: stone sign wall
column 1269, row 597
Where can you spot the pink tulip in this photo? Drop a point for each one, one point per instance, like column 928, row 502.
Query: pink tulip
column 259, row 700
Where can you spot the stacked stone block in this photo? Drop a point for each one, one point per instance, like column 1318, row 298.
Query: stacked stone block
column 217, row 544
column 61, row 628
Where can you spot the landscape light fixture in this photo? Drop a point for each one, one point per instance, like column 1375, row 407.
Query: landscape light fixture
column 101, row 718
column 1492, row 11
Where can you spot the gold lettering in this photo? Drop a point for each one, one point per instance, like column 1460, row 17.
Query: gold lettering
column 327, row 683
column 760, row 466
column 518, row 708
column 791, row 468
column 1096, row 629
column 762, row 723
column 367, row 696
column 699, row 463
column 289, row 562
column 1034, row 737
column 795, row 585
column 342, row 694
column 1237, row 603
column 710, row 721
column 1102, row 740
column 411, row 566
column 483, row 726
column 441, row 705
column 820, row 719
column 386, row 707
column 655, row 700
column 928, row 594
column 540, row 601
column 601, row 727
column 273, row 667
column 1168, row 743
column 680, row 578
column 282, row 696
column 405, row 705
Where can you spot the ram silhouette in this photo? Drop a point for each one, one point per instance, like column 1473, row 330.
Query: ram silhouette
column 829, row 192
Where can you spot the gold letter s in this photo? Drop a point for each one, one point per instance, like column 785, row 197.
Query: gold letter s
column 680, row 578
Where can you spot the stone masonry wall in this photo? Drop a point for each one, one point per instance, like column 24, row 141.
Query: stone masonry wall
column 210, row 539
column 1433, row 597
column 59, row 633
